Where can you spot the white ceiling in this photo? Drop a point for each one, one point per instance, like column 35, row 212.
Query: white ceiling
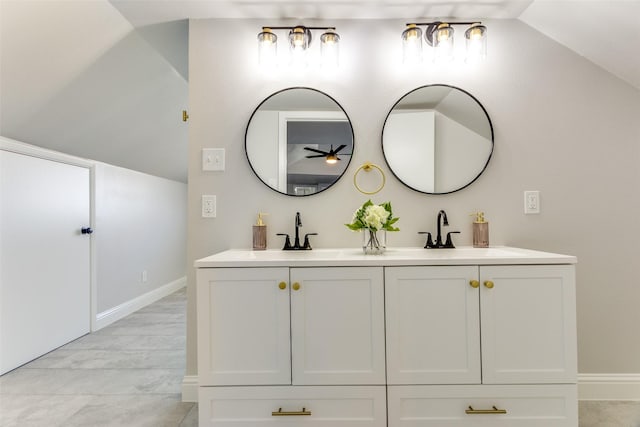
column 145, row 12
column 92, row 96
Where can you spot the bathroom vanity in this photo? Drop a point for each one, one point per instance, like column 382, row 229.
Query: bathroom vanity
column 413, row 337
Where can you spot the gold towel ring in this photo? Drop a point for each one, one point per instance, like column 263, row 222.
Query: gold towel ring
column 367, row 167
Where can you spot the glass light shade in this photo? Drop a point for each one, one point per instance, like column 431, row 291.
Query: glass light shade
column 267, row 47
column 476, row 43
column 443, row 43
column 332, row 159
column 412, row 45
column 299, row 40
column 330, row 48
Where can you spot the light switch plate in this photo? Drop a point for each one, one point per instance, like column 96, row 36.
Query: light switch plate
column 213, row 159
column 208, row 206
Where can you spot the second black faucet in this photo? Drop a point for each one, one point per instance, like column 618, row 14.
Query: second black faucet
column 448, row 244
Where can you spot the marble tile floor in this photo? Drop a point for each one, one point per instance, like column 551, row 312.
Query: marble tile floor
column 594, row 413
column 130, row 374
column 127, row 374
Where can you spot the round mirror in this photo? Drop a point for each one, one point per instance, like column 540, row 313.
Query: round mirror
column 299, row 141
column 437, row 139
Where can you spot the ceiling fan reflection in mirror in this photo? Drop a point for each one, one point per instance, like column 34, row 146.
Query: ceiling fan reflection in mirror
column 331, row 155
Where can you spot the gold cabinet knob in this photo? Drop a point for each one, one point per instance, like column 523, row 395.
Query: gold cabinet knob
column 474, row 283
column 296, row 286
column 282, row 285
column 488, row 284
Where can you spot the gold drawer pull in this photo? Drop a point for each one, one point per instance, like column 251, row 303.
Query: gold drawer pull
column 494, row 410
column 488, row 284
column 296, row 286
column 282, row 285
column 474, row 283
column 282, row 413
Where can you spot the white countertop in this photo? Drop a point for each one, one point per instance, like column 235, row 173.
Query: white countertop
column 354, row 257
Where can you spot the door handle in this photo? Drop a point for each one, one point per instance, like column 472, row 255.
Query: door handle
column 87, row 230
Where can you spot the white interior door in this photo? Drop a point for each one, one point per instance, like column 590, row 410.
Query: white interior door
column 44, row 257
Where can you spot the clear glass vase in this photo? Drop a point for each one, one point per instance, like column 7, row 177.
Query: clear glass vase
column 374, row 242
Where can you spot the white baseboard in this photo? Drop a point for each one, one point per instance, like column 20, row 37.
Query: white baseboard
column 190, row 388
column 118, row 312
column 609, row 387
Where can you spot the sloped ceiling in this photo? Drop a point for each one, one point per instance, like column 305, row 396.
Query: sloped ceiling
column 78, row 78
column 108, row 80
column 605, row 32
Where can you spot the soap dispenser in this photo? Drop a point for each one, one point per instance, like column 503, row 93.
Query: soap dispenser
column 480, row 231
column 260, row 234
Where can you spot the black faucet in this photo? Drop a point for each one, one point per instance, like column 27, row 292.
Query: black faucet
column 448, row 244
column 442, row 218
column 298, row 224
column 296, row 242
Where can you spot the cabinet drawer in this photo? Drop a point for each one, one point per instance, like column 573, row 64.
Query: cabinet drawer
column 525, row 406
column 343, row 406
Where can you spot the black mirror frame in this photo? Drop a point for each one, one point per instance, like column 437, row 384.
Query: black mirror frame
column 449, row 86
column 246, row 132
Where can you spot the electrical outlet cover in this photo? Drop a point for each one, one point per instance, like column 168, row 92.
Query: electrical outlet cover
column 208, row 206
column 531, row 202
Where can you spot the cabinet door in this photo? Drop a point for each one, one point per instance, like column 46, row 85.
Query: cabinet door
column 433, row 331
column 243, row 326
column 528, row 324
column 337, row 326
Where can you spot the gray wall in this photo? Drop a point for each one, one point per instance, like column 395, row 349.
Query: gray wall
column 140, row 225
column 562, row 126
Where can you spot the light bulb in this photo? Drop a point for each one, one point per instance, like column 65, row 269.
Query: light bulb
column 412, row 45
column 476, row 43
column 443, row 42
column 330, row 49
column 299, row 39
column 267, row 47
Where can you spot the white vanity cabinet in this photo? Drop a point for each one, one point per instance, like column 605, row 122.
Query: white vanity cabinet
column 434, row 315
column 489, row 328
column 263, row 327
column 412, row 338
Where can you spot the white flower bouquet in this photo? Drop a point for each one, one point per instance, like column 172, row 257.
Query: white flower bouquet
column 374, row 217
column 371, row 218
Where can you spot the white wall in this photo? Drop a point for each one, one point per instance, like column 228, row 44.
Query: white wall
column 562, row 126
column 140, row 224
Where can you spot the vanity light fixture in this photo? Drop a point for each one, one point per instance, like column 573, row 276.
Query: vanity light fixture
column 440, row 36
column 299, row 39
